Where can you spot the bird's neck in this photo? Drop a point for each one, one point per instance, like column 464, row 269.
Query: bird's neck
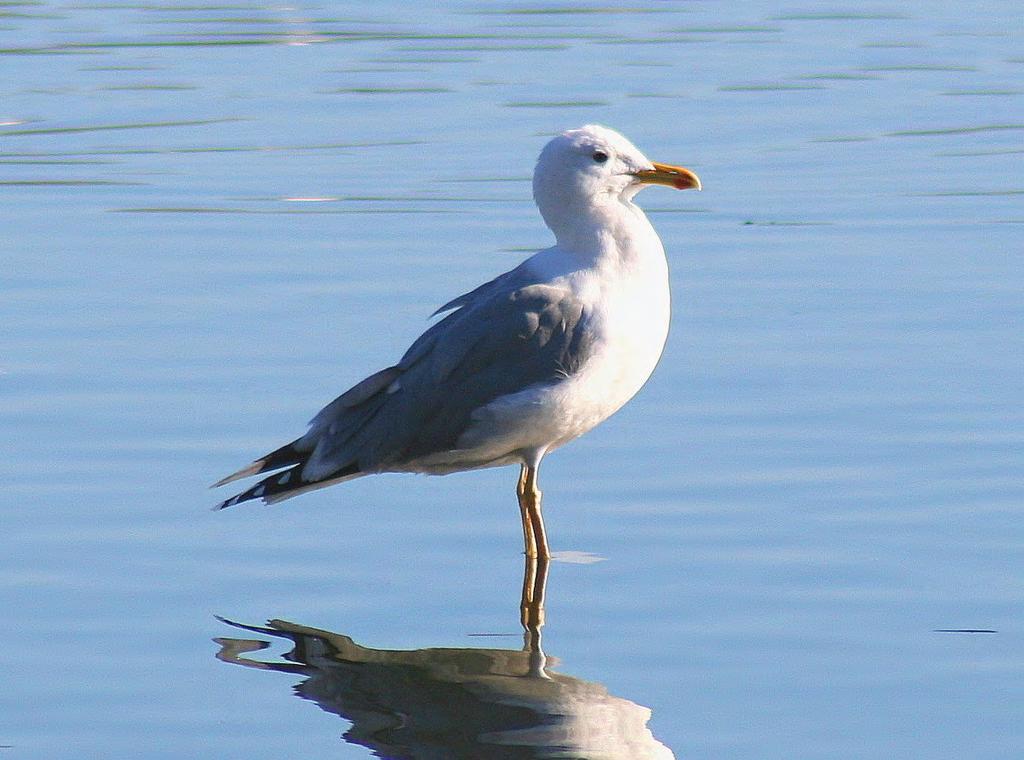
column 615, row 235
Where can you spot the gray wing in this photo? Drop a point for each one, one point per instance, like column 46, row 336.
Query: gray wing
column 504, row 336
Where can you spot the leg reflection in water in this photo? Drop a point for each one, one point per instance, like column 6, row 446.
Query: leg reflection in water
column 531, row 612
column 458, row 703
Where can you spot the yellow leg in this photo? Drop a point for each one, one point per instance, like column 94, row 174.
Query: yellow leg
column 531, row 497
column 529, row 540
column 535, row 572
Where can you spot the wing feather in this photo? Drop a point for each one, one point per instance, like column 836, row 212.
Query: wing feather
column 505, row 336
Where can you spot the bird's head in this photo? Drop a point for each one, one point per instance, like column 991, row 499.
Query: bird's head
column 591, row 166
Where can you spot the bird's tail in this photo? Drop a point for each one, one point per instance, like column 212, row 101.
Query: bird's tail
column 286, row 484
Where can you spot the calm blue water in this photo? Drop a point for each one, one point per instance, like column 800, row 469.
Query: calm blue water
column 217, row 217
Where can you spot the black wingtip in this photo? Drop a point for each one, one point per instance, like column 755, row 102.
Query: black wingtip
column 252, row 493
column 271, row 488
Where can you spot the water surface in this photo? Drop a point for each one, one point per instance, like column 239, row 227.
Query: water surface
column 218, row 216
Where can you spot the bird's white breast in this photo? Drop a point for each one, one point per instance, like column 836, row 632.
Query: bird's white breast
column 630, row 318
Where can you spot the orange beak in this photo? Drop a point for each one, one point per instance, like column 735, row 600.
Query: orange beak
column 673, row 176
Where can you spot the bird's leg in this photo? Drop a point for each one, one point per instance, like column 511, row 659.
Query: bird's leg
column 535, row 571
column 532, row 496
column 529, row 540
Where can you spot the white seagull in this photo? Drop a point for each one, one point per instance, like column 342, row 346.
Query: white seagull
column 522, row 364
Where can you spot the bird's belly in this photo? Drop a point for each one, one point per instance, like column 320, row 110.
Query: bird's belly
column 604, row 384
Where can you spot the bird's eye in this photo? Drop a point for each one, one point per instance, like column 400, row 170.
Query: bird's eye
column 600, row 156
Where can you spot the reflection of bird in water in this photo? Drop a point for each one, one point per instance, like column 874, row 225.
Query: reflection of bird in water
column 524, row 363
column 455, row 703
column 459, row 704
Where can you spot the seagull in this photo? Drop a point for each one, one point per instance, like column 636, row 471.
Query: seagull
column 522, row 364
